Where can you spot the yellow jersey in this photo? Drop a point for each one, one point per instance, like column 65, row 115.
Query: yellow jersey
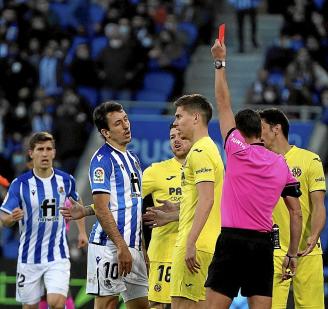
column 163, row 181
column 307, row 168
column 203, row 163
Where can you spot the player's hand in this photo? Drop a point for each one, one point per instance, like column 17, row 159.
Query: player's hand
column 311, row 243
column 167, row 206
column 146, row 257
column 155, row 217
column 289, row 266
column 219, row 50
column 124, row 259
column 17, row 214
column 82, row 240
column 190, row 259
column 75, row 212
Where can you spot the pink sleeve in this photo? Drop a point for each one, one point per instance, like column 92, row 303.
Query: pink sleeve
column 290, row 178
column 235, row 142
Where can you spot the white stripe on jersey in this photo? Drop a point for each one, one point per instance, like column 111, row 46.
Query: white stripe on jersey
column 127, row 198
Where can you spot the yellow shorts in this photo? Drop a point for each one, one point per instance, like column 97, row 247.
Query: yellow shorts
column 159, row 282
column 183, row 282
column 308, row 284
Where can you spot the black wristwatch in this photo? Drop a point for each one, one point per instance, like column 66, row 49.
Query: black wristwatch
column 219, row 64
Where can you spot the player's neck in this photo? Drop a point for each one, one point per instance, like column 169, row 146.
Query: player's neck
column 198, row 134
column 180, row 160
column 119, row 147
column 281, row 146
column 43, row 173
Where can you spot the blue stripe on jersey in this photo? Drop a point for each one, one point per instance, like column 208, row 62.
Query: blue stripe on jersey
column 61, row 243
column 134, row 158
column 42, row 225
column 120, row 196
column 93, row 232
column 54, row 227
column 134, row 204
column 28, row 228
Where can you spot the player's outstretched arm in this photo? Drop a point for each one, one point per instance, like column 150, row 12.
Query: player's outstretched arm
column 76, row 211
column 9, row 220
column 82, row 238
column 222, row 95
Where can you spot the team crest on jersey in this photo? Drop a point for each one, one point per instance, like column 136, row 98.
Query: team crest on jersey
column 296, row 171
column 60, row 190
column 136, row 163
column 99, row 175
column 157, row 287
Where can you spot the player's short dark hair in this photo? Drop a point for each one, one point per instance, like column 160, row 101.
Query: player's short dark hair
column 172, row 125
column 196, row 102
column 40, row 137
column 248, row 122
column 274, row 116
column 101, row 111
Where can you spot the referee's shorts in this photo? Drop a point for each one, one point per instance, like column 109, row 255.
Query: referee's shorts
column 243, row 259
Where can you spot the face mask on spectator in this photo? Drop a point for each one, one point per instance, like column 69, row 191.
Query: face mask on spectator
column 115, row 43
column 269, row 96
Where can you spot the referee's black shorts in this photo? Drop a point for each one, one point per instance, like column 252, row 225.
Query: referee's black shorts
column 243, row 259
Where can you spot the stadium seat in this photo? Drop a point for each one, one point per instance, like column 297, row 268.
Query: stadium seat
column 276, row 78
column 97, row 45
column 162, row 82
column 90, row 94
column 96, row 13
column 191, row 30
column 151, row 96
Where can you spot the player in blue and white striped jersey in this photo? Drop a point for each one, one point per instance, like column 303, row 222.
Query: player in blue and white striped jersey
column 116, row 260
column 33, row 200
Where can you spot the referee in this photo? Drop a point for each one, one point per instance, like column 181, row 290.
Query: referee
column 255, row 179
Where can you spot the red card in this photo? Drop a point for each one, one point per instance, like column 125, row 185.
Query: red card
column 221, row 33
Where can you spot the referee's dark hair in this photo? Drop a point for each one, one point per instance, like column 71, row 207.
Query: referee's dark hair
column 274, row 116
column 248, row 122
column 101, row 111
column 196, row 102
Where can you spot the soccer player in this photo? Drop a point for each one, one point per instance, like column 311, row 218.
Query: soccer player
column 254, row 180
column 163, row 181
column 33, row 200
column 199, row 218
column 306, row 166
column 116, row 259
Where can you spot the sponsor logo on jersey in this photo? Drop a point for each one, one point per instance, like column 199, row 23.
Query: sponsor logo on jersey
column 198, row 150
column 320, row 179
column 170, row 177
column 317, row 159
column 203, row 170
column 99, row 175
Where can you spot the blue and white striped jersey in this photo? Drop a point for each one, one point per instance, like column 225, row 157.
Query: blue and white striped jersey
column 119, row 174
column 42, row 230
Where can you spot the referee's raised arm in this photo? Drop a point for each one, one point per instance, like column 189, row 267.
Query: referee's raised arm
column 222, row 95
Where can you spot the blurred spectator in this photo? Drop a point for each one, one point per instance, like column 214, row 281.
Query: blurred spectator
column 246, row 8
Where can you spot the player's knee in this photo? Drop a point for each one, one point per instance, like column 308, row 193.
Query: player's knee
column 56, row 301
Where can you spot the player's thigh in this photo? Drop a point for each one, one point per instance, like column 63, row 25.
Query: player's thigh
column 56, row 279
column 102, row 272
column 308, row 284
column 159, row 282
column 280, row 289
column 29, row 283
column 183, row 282
column 108, row 302
column 136, row 282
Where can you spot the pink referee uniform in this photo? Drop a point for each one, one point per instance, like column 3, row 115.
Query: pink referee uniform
column 254, row 180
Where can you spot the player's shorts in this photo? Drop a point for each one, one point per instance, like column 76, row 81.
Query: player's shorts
column 33, row 279
column 103, row 278
column 308, row 284
column 159, row 282
column 243, row 259
column 183, row 282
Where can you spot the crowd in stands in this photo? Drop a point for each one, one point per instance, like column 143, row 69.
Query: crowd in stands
column 60, row 58
column 295, row 70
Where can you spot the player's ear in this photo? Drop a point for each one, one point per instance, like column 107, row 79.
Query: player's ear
column 30, row 153
column 105, row 133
